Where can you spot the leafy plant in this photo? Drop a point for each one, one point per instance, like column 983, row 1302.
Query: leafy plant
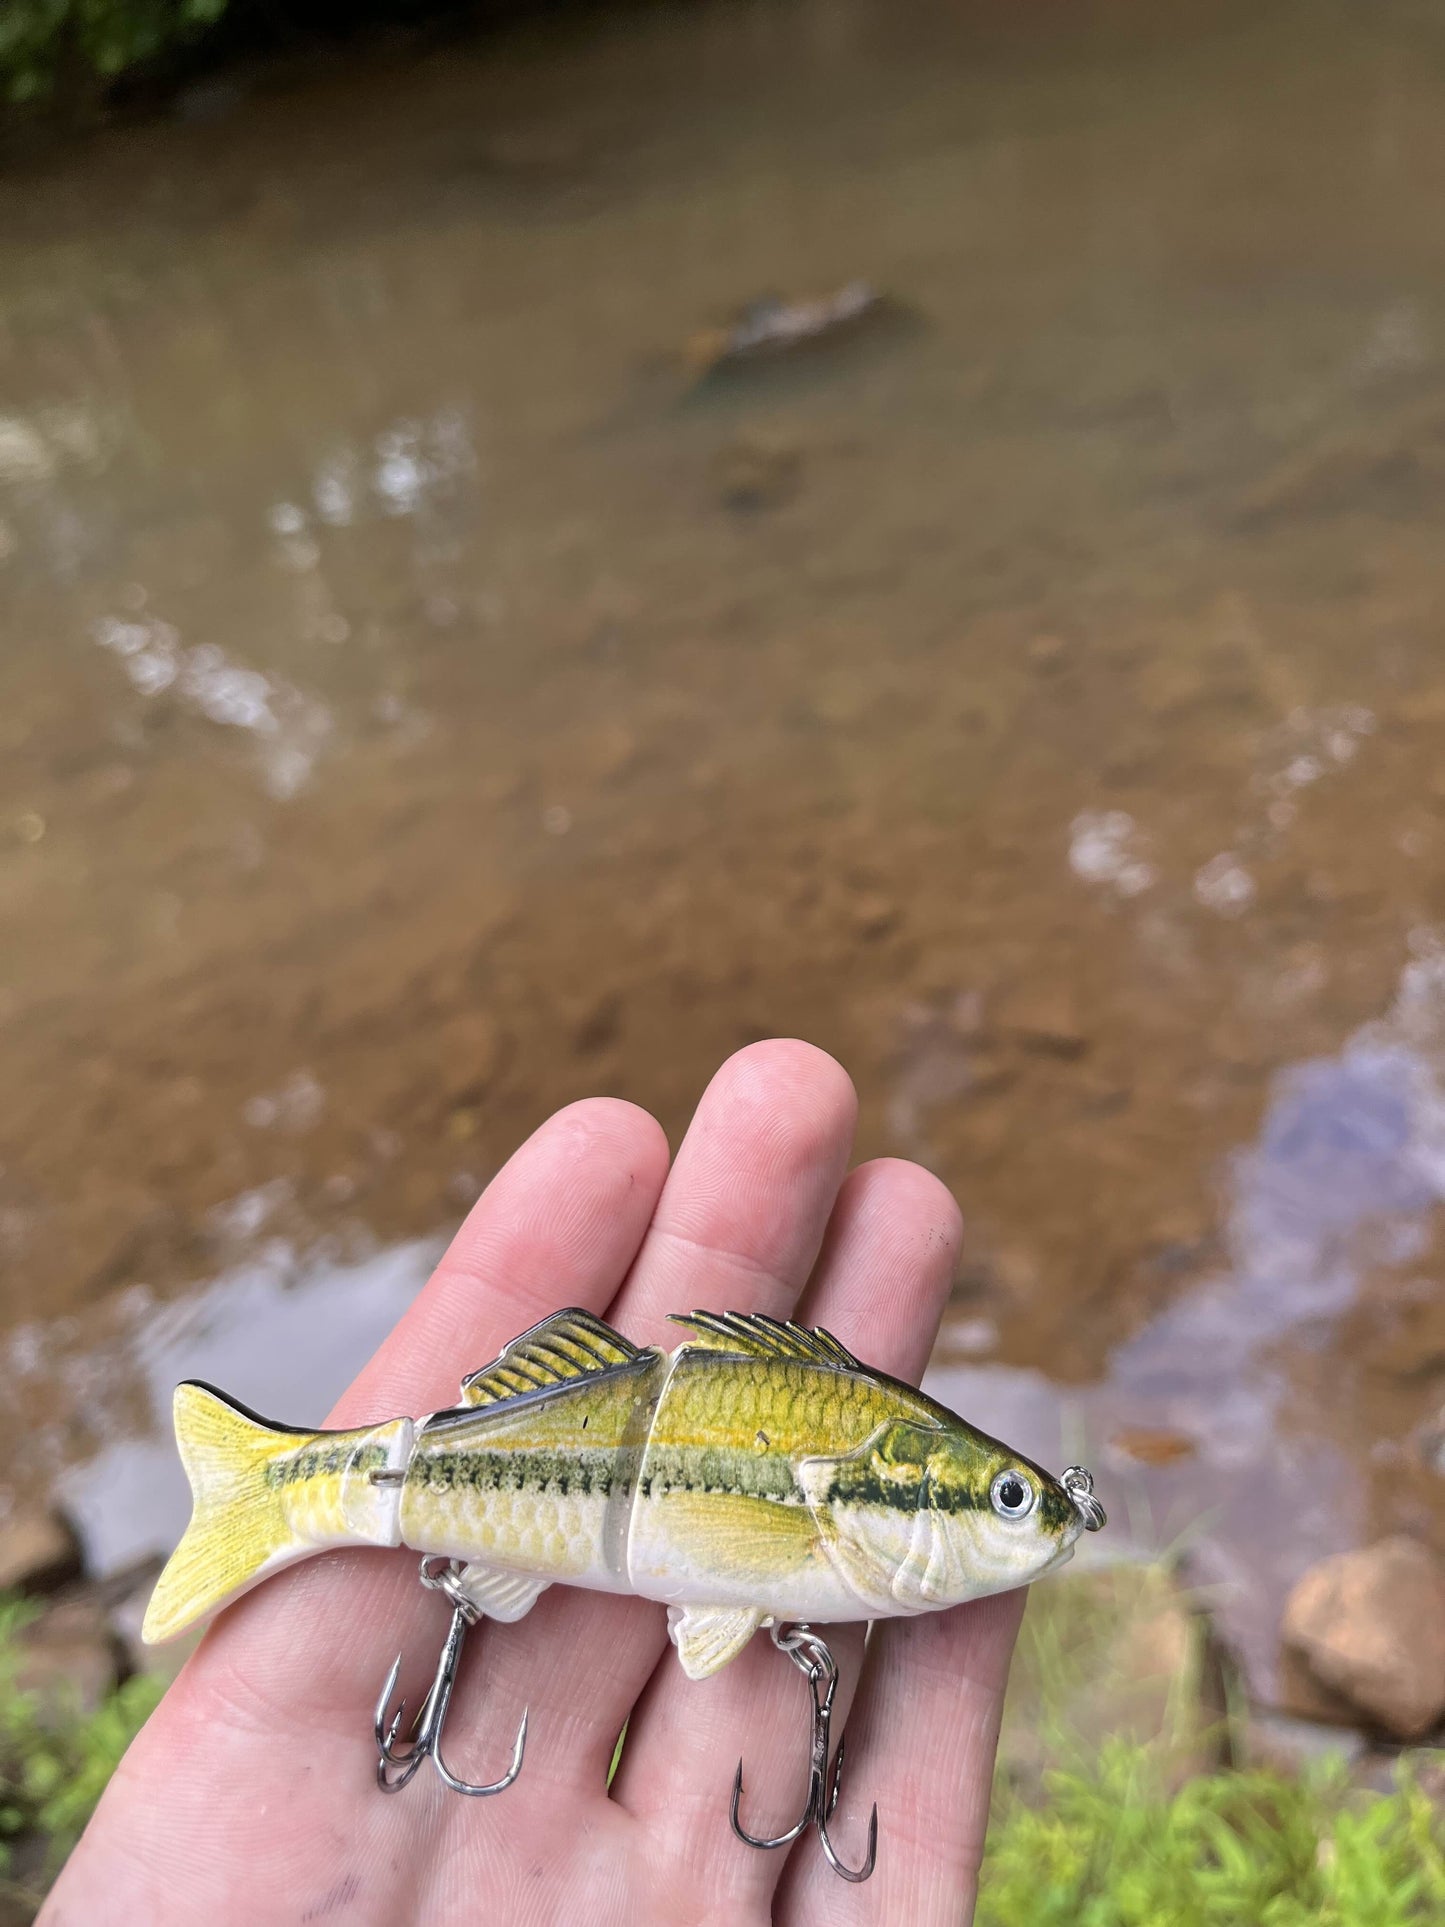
column 1108, row 1841
column 38, row 38
column 55, row 1759
column 1112, row 1847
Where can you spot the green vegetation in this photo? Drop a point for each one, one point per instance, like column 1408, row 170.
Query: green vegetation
column 1112, row 1807
column 1112, row 1840
column 1113, row 1847
column 42, row 39
column 55, row 1760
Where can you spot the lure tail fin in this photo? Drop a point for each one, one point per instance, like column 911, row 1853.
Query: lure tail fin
column 240, row 1529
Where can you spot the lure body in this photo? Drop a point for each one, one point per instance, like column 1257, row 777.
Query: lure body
column 757, row 1474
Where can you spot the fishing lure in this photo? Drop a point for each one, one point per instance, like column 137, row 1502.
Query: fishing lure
column 757, row 1476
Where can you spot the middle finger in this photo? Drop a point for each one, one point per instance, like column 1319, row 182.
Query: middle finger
column 880, row 1287
column 737, row 1227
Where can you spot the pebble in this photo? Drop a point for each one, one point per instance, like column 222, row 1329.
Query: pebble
column 1369, row 1627
column 1044, row 1017
column 874, row 914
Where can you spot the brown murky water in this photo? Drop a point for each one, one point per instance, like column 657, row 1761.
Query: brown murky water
column 424, row 699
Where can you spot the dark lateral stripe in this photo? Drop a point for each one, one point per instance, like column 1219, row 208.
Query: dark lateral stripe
column 859, row 1484
column 322, row 1461
column 720, row 1468
column 562, row 1473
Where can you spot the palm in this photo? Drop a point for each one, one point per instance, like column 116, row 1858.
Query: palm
column 250, row 1795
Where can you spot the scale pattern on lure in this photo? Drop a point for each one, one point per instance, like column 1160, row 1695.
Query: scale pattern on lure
column 757, row 1475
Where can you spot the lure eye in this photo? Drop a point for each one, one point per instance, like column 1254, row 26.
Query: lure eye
column 1012, row 1496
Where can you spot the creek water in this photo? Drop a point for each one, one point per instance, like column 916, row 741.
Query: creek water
column 438, row 681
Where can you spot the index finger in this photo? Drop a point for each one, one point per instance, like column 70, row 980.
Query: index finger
column 278, row 1697
column 558, row 1225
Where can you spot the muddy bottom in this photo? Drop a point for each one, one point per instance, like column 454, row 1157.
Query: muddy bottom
column 524, row 568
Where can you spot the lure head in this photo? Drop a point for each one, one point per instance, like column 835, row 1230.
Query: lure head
column 924, row 1515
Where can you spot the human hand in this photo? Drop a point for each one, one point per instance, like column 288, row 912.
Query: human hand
column 250, row 1796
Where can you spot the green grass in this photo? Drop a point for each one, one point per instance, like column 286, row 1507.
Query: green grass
column 1112, row 1839
column 1113, row 1847
column 1113, row 1807
column 55, row 1761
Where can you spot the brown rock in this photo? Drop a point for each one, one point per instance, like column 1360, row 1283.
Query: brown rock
column 1043, row 1016
column 1151, row 1445
column 1300, row 1695
column 37, row 1552
column 1370, row 1627
column 68, row 1659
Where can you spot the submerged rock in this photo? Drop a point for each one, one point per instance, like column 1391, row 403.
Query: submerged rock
column 774, row 326
column 1370, row 1628
column 1044, row 1016
column 788, row 333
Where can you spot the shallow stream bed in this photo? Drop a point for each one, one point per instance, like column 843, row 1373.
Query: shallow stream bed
column 433, row 686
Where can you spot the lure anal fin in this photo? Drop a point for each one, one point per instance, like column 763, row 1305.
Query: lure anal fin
column 505, row 1596
column 707, row 1637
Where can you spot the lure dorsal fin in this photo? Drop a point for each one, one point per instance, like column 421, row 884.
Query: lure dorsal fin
column 754, row 1335
column 569, row 1344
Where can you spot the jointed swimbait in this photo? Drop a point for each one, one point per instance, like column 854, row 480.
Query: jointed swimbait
column 759, row 1474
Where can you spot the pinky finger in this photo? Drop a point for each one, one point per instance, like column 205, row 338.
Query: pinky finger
column 922, row 1737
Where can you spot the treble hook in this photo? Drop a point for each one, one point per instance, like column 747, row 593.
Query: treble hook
column 811, row 1656
column 425, row 1739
